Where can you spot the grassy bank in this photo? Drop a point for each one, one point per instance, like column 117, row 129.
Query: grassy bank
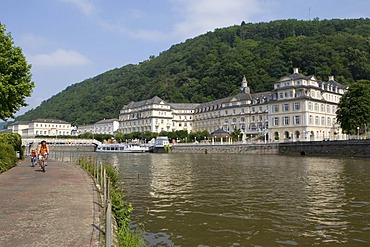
column 121, row 210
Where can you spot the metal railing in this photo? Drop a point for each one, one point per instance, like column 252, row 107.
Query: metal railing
column 102, row 182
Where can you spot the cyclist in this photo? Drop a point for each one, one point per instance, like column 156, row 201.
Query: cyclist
column 43, row 151
column 33, row 155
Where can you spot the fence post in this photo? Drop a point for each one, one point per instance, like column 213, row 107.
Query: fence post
column 105, row 185
column 108, row 216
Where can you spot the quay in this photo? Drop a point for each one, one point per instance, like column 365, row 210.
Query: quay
column 57, row 208
column 353, row 148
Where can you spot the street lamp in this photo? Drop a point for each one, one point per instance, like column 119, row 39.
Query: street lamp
column 358, row 133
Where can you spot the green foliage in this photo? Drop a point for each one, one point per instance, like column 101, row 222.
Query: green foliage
column 120, row 209
column 99, row 137
column 211, row 66
column 15, row 76
column 12, row 139
column 8, row 158
column 354, row 108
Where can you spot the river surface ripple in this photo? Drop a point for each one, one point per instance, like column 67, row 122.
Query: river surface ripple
column 247, row 200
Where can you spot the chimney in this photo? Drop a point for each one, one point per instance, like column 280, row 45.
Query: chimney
column 331, row 78
column 295, row 70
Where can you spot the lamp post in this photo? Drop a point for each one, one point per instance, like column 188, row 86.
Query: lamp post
column 358, row 133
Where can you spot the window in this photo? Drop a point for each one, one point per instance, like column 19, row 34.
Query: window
column 310, row 106
column 322, row 108
column 281, row 95
column 242, row 120
column 322, row 121
column 296, row 106
column 316, row 107
column 226, row 112
column 275, row 108
column 297, row 119
column 276, row 121
column 286, row 120
column 329, row 121
column 317, row 120
column 328, row 108
column 285, row 107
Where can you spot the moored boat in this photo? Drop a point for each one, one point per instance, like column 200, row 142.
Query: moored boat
column 161, row 145
column 122, row 148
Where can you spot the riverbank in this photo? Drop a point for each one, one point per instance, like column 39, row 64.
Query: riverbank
column 359, row 148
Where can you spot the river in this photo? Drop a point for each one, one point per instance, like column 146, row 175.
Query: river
column 247, row 200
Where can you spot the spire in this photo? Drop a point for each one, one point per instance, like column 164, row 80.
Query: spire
column 244, row 88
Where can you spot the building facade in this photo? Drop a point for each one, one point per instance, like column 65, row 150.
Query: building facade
column 105, row 126
column 156, row 115
column 299, row 108
column 41, row 127
column 304, row 109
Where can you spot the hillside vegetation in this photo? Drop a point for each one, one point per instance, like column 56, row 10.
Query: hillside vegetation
column 212, row 65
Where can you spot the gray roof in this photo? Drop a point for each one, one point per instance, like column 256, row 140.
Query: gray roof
column 45, row 120
column 242, row 96
column 107, row 120
column 337, row 84
column 183, row 106
column 132, row 104
column 296, row 76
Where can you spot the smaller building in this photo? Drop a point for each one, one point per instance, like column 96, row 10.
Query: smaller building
column 41, row 127
column 105, row 126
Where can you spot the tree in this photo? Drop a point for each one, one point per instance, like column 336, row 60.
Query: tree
column 354, row 107
column 15, row 76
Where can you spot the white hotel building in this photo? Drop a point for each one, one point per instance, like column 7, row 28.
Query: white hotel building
column 156, row 115
column 299, row 108
column 46, row 127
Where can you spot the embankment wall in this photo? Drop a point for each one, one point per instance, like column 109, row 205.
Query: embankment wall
column 229, row 148
column 329, row 148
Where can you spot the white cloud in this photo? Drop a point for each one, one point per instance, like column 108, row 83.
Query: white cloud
column 200, row 16
column 59, row 58
column 85, row 6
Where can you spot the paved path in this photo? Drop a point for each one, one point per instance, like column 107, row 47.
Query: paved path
column 57, row 208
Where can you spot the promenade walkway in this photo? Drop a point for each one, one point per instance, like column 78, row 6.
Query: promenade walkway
column 57, row 208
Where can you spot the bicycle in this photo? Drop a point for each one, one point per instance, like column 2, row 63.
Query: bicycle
column 42, row 162
column 33, row 161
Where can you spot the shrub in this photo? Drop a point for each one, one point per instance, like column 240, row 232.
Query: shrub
column 8, row 158
column 14, row 140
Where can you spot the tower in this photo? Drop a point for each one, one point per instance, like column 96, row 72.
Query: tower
column 244, row 88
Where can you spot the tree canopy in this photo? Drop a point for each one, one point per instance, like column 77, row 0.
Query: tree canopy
column 354, row 108
column 211, row 66
column 15, row 76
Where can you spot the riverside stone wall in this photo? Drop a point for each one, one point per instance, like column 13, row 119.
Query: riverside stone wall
column 226, row 148
column 328, row 148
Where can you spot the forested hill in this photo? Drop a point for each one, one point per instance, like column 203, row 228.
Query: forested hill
column 212, row 65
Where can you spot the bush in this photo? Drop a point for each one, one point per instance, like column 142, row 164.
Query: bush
column 8, row 159
column 14, row 140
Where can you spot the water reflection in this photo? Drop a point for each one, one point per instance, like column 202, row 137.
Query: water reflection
column 247, row 200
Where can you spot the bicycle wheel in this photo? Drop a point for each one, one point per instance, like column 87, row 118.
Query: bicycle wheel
column 43, row 165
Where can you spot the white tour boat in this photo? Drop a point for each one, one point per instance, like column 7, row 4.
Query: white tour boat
column 122, row 148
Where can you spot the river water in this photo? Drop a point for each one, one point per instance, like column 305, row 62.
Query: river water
column 247, row 200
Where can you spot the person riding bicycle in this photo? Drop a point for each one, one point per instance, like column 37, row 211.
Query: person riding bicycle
column 43, row 151
column 33, row 155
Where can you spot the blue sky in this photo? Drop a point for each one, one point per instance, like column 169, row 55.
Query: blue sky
column 68, row 41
